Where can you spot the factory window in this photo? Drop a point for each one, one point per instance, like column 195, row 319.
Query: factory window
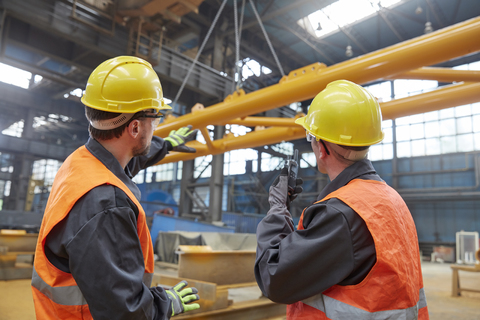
column 236, row 161
column 139, row 178
column 15, row 76
column 251, row 67
column 14, row 130
column 382, row 91
column 164, row 172
column 6, row 188
column 438, row 132
column 283, row 147
column 6, row 162
column 75, row 93
column 444, row 131
column 45, row 170
column 308, row 160
column 270, row 162
column 2, row 192
column 333, row 17
column 203, row 168
column 384, row 149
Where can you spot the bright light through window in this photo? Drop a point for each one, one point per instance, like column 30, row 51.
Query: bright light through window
column 15, row 76
column 330, row 18
column 250, row 68
column 76, row 93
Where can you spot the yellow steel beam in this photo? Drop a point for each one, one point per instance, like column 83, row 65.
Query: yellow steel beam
column 250, row 140
column 441, row 75
column 445, row 97
column 442, row 98
column 263, row 122
column 302, row 84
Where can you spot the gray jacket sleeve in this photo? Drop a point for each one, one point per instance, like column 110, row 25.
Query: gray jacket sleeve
column 334, row 248
column 100, row 246
column 158, row 151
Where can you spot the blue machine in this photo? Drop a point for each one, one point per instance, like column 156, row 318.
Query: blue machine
column 167, row 223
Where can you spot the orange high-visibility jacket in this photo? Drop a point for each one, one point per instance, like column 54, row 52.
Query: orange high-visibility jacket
column 393, row 289
column 55, row 293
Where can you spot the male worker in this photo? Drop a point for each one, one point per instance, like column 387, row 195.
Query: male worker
column 355, row 252
column 94, row 256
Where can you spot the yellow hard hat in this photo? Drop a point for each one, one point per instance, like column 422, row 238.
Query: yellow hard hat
column 344, row 113
column 124, row 84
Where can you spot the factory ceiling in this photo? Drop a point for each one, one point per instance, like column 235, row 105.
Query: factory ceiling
column 61, row 41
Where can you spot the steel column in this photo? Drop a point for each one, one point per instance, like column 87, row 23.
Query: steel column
column 185, row 204
column 216, row 181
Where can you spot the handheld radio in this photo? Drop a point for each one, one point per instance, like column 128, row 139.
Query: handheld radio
column 292, row 165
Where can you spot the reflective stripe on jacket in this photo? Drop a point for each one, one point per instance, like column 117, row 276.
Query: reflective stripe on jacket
column 393, row 289
column 55, row 293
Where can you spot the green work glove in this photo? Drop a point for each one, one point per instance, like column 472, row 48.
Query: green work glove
column 183, row 135
column 180, row 297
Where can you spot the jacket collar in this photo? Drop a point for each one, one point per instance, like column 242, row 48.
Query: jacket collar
column 362, row 169
column 113, row 165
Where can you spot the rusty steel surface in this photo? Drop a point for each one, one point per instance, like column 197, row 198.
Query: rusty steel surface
column 19, row 241
column 220, row 267
column 259, row 309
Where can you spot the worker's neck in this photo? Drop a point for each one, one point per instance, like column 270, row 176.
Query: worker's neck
column 119, row 149
column 335, row 168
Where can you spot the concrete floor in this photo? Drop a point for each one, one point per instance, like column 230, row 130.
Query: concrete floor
column 16, row 297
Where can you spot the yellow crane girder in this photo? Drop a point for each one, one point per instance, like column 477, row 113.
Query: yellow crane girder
column 406, row 59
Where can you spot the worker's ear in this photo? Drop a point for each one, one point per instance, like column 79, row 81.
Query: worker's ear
column 321, row 147
column 133, row 129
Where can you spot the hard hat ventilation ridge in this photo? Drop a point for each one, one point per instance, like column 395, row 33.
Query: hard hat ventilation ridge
column 112, row 123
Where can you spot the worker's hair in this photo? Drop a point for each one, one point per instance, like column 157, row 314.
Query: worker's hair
column 95, row 115
column 349, row 148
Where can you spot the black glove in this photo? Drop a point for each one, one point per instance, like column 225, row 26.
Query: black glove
column 177, row 139
column 280, row 193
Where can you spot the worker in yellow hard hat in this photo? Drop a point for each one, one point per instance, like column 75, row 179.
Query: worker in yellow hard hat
column 354, row 253
column 94, row 256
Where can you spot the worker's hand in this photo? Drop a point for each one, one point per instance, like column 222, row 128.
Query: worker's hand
column 280, row 193
column 181, row 298
column 183, row 135
column 293, row 192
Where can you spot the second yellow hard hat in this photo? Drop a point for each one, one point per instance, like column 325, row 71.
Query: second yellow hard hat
column 344, row 113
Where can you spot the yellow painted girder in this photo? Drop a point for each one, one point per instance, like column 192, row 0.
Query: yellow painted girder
column 286, row 129
column 441, row 75
column 305, row 83
column 441, row 98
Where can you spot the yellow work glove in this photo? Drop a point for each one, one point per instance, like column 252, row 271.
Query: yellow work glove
column 181, row 136
column 181, row 298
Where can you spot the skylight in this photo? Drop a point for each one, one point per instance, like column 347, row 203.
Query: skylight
column 334, row 16
column 251, row 67
column 15, row 76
